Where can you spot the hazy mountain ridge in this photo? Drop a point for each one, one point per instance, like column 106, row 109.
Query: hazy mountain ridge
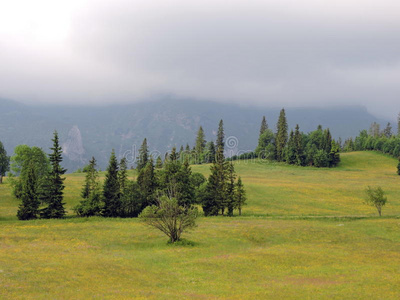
column 95, row 131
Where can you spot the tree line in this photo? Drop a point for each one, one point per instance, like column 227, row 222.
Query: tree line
column 37, row 182
column 316, row 148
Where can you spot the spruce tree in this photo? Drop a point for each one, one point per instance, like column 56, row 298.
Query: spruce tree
column 159, row 163
column 143, row 157
column 290, row 150
column 220, row 136
column 91, row 183
column 214, row 199
column 398, row 167
column 230, row 189
column 240, row 196
column 123, row 175
column 29, row 208
column 4, row 162
column 281, row 135
column 264, row 126
column 185, row 188
column 111, row 189
column 210, row 152
column 298, row 141
column 147, row 184
column 200, row 145
column 52, row 191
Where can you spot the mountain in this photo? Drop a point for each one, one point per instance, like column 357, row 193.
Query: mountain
column 86, row 131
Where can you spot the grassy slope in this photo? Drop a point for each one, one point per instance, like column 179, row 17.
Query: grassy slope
column 250, row 257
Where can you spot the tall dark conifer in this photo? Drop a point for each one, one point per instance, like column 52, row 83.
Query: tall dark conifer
column 147, row 184
column 264, row 125
column 230, row 189
column 220, row 136
column 29, row 208
column 111, row 189
column 298, row 141
column 52, row 189
column 123, row 174
column 200, row 144
column 281, row 135
column 143, row 157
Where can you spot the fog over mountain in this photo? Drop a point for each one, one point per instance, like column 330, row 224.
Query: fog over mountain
column 268, row 53
column 94, row 131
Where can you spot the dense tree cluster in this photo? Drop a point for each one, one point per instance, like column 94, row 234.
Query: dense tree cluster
column 37, row 181
column 316, row 148
column 375, row 139
column 4, row 162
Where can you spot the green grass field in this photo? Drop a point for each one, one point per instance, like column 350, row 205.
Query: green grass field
column 305, row 234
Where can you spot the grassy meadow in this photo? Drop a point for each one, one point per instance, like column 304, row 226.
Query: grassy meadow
column 305, row 234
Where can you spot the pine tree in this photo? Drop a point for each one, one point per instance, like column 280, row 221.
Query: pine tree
column 122, row 175
column 185, row 188
column 214, row 199
column 387, row 132
column 220, row 136
column 147, row 184
column 281, row 135
column 159, row 163
column 200, row 145
column 91, row 184
column 240, row 196
column 52, row 193
column 230, row 189
column 29, row 208
column 4, row 162
column 264, row 126
column 290, row 150
column 298, row 141
column 210, row 158
column 111, row 189
column 143, row 157
column 327, row 144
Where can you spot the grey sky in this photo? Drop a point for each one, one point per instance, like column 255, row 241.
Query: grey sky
column 275, row 53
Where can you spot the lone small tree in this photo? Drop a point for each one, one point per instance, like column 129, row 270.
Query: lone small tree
column 170, row 218
column 376, row 197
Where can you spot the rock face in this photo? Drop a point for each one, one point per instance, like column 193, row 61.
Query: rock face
column 73, row 146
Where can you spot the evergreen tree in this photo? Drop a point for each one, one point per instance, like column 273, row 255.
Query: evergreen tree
column 91, row 204
column 215, row 192
column 298, row 141
column 52, row 193
column 281, row 135
column 111, row 189
column 210, row 157
column 91, row 185
column 220, row 136
column 290, row 150
column 185, row 188
column 122, row 175
column 29, row 208
column 265, row 140
column 327, row 144
column 264, row 126
column 240, row 196
column 159, row 163
column 398, row 167
column 147, row 184
column 143, row 157
column 200, row 144
column 230, row 189
column 387, row 132
column 4, row 162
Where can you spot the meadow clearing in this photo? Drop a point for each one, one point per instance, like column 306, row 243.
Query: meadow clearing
column 305, row 234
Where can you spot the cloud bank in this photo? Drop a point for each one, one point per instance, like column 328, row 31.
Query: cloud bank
column 272, row 53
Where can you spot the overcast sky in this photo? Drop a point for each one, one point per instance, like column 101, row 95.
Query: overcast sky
column 273, row 53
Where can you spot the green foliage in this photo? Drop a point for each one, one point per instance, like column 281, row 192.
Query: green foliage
column 266, row 139
column 170, row 218
column 24, row 156
column 111, row 189
column 53, row 186
column 240, row 196
column 147, row 184
column 210, row 154
column 220, row 136
column 131, row 201
column 264, row 125
column 4, row 162
column 200, row 145
column 376, row 197
column 159, row 163
column 281, row 135
column 29, row 208
column 143, row 157
column 91, row 205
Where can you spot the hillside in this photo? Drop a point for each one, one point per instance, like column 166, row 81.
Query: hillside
column 94, row 131
column 284, row 250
